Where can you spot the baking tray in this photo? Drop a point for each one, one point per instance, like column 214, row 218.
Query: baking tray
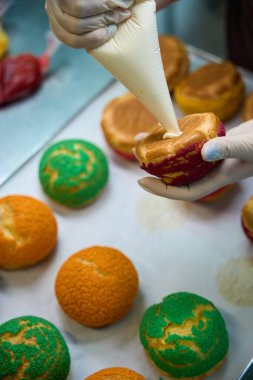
column 175, row 246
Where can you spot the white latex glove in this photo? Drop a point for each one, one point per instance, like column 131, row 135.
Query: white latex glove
column 237, row 150
column 86, row 23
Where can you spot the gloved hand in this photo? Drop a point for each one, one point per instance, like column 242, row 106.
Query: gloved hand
column 86, row 23
column 237, row 150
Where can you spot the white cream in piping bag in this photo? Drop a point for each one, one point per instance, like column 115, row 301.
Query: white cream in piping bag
column 133, row 57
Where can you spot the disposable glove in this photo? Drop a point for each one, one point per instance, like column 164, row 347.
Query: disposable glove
column 236, row 148
column 86, row 23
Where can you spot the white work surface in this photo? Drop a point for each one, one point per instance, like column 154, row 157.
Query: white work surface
column 175, row 246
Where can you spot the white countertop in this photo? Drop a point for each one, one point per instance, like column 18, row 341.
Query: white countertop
column 175, row 246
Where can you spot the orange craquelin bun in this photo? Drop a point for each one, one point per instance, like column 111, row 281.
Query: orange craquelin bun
column 217, row 87
column 116, row 373
column 247, row 218
column 28, row 231
column 178, row 161
column 175, row 59
column 247, row 110
column 122, row 119
column 97, row 286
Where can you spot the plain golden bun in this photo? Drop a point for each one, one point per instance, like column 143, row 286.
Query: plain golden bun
column 175, row 59
column 122, row 119
column 216, row 87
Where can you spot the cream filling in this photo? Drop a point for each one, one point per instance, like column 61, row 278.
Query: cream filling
column 133, row 57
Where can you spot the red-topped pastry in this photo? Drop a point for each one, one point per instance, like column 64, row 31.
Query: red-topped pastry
column 178, row 161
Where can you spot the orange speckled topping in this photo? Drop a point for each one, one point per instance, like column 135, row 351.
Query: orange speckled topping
column 116, row 373
column 28, row 231
column 123, row 118
column 247, row 111
column 247, row 217
column 216, row 87
column 97, row 286
column 195, row 128
column 175, row 59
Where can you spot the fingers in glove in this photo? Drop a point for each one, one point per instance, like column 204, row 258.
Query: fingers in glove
column 240, row 147
column 229, row 172
column 86, row 41
column 244, row 128
column 86, row 8
column 185, row 193
column 235, row 170
column 210, row 183
column 80, row 26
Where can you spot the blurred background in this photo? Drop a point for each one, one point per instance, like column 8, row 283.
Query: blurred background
column 198, row 22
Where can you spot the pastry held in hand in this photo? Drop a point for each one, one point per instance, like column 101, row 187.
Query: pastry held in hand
column 216, row 87
column 178, row 161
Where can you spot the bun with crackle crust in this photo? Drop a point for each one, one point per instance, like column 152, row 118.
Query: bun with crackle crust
column 184, row 336
column 28, row 231
column 115, row 373
column 97, row 286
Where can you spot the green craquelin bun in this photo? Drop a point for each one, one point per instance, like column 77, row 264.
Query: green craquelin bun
column 185, row 336
column 32, row 348
column 73, row 172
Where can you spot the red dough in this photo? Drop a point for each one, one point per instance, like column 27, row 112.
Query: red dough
column 178, row 161
column 19, row 76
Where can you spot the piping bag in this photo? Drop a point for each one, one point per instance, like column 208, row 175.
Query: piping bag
column 22, row 74
column 133, row 57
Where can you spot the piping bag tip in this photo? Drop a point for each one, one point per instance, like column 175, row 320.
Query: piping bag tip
column 133, row 56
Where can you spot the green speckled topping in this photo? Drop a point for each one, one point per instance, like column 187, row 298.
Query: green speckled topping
column 73, row 172
column 32, row 348
column 184, row 335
